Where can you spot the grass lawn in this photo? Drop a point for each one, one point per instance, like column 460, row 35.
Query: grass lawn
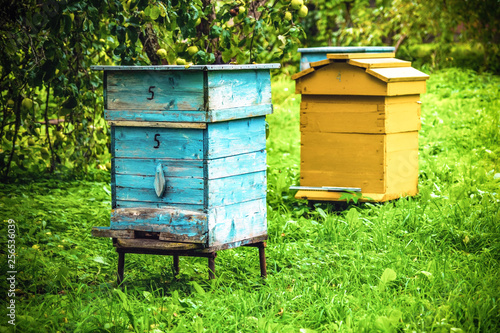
column 429, row 263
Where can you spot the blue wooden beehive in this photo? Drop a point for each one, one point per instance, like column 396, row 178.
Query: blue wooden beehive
column 188, row 152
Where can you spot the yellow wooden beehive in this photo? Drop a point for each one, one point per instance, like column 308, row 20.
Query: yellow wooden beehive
column 359, row 122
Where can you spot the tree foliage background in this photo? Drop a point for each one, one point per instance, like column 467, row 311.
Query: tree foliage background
column 51, row 104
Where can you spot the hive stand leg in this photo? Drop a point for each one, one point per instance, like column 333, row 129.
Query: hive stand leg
column 121, row 265
column 176, row 265
column 211, row 265
column 262, row 259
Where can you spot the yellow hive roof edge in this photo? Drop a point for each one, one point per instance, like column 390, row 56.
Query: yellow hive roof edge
column 379, row 63
column 302, row 73
column 397, row 74
column 359, row 55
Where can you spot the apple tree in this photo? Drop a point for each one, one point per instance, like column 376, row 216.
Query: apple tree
column 50, row 100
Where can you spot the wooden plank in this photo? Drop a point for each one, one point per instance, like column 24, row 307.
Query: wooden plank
column 239, row 112
column 235, row 137
column 340, row 79
column 171, row 167
column 187, row 225
column 379, row 63
column 141, row 188
column 236, row 165
column 173, row 90
column 145, row 204
column 153, row 244
column 107, row 232
column 344, row 160
column 237, row 222
column 156, row 116
column 233, row 89
column 400, row 74
column 302, row 73
column 156, row 124
column 235, row 189
column 360, row 55
column 140, row 142
column 335, row 196
column 320, row 63
column 405, row 88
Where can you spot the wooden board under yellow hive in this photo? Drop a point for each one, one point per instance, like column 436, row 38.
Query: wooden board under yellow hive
column 359, row 114
column 384, row 166
column 341, row 78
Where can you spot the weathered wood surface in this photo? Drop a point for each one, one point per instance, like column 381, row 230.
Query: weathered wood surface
column 232, row 89
column 236, row 165
column 144, row 204
column 171, row 167
column 360, row 55
column 179, row 225
column 111, row 233
column 236, row 189
column 153, row 244
column 173, row 90
column 156, row 124
column 235, row 137
column 176, row 143
column 178, row 118
column 232, row 223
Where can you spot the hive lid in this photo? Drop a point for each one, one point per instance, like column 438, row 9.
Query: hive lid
column 360, row 55
column 347, row 49
column 400, row 74
column 181, row 67
column 379, row 63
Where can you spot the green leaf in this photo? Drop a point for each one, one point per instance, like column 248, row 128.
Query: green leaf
column 388, row 275
column 198, row 288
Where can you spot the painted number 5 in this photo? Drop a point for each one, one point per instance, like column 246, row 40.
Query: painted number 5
column 151, row 92
column 157, row 141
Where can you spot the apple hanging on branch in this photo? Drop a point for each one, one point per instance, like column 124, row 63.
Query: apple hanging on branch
column 217, row 32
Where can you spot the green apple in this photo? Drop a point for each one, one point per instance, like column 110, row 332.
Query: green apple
column 288, row 16
column 297, row 4
column 26, row 104
column 241, row 9
column 31, row 142
column 162, row 53
column 192, row 50
column 10, row 103
column 198, row 22
column 303, row 11
column 180, row 61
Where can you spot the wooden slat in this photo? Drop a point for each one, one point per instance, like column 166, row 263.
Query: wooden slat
column 188, row 225
column 139, row 142
column 153, row 244
column 379, row 63
column 236, row 89
column 321, row 63
column 236, row 189
column 302, row 73
column 107, row 232
column 184, row 116
column 403, row 74
column 171, row 167
column 236, row 165
column 233, row 223
column 359, row 55
column 156, row 124
column 173, row 90
column 235, row 137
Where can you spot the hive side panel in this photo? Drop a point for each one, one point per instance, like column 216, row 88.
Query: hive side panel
column 234, row 89
column 236, row 165
column 405, row 88
column 339, row 78
column 235, row 189
column 233, row 223
column 235, row 137
column 154, row 90
column 345, row 160
column 404, row 117
column 177, row 225
column 148, row 142
column 402, row 163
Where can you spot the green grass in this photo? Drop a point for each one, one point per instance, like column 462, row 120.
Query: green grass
column 427, row 264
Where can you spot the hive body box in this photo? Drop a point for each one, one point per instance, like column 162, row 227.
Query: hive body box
column 359, row 122
column 188, row 152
